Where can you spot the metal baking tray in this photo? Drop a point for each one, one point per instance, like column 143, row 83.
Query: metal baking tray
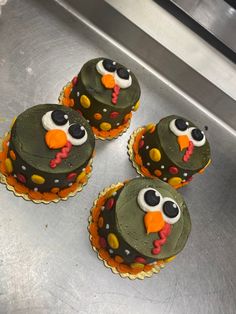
column 47, row 264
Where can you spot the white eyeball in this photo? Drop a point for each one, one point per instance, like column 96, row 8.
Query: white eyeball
column 106, row 66
column 170, row 210
column 179, row 127
column 56, row 119
column 197, row 137
column 149, row 200
column 76, row 134
column 123, row 78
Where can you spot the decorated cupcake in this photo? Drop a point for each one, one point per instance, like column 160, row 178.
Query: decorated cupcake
column 138, row 226
column 172, row 150
column 47, row 155
column 106, row 93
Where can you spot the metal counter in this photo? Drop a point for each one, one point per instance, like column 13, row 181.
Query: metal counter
column 47, row 264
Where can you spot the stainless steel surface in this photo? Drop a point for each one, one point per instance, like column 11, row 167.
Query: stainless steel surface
column 156, row 59
column 217, row 16
column 46, row 261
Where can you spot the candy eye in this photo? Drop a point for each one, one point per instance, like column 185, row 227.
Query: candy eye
column 77, row 134
column 106, row 66
column 197, row 137
column 149, row 200
column 179, row 126
column 123, row 78
column 56, row 119
column 170, row 210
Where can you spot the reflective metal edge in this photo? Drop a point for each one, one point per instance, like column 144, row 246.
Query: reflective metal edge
column 155, row 58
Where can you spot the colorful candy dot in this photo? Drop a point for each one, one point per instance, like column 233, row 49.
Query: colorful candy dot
column 56, row 181
column 21, row 178
column 80, row 176
column 55, row 190
column 140, row 259
column 103, row 242
column 173, row 170
column 136, row 106
column 9, row 166
column 158, row 173
column 119, row 259
column 100, row 222
column 85, row 101
column 170, row 259
column 114, row 114
column 71, row 176
column 155, row 154
column 12, row 155
column 105, row 126
column 112, row 241
column 37, row 179
column 23, row 167
column 141, row 144
column 137, row 265
column 74, row 81
column 150, row 127
column 97, row 116
column 110, row 203
column 174, row 181
column 127, row 117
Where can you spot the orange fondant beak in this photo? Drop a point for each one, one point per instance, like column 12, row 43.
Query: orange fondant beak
column 55, row 139
column 183, row 141
column 108, row 81
column 153, row 221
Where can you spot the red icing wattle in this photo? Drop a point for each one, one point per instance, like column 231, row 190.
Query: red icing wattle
column 188, row 152
column 115, row 94
column 163, row 234
column 61, row 155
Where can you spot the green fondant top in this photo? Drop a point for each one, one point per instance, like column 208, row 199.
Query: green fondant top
column 91, row 80
column 130, row 219
column 28, row 139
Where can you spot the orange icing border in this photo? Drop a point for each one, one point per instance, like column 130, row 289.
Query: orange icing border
column 111, row 134
column 33, row 195
column 138, row 160
column 103, row 253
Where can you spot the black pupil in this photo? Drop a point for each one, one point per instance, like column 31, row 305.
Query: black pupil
column 108, row 65
column 181, row 124
column 151, row 199
column 76, row 131
column 123, row 73
column 58, row 117
column 197, row 134
column 170, row 209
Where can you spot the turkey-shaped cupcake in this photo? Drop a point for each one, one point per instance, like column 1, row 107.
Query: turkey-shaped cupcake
column 106, row 93
column 173, row 150
column 47, row 154
column 138, row 226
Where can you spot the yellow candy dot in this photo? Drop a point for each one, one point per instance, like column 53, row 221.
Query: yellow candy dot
column 85, row 101
column 136, row 265
column 37, row 179
column 8, row 165
column 100, row 222
column 80, row 176
column 174, row 181
column 12, row 155
column 97, row 116
column 158, row 173
column 170, row 259
column 105, row 126
column 150, row 127
column 136, row 106
column 155, row 154
column 113, row 241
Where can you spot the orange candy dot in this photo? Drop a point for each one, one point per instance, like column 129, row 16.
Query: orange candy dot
column 100, row 222
column 55, row 190
column 97, row 116
column 12, row 155
column 119, row 259
column 158, row 173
